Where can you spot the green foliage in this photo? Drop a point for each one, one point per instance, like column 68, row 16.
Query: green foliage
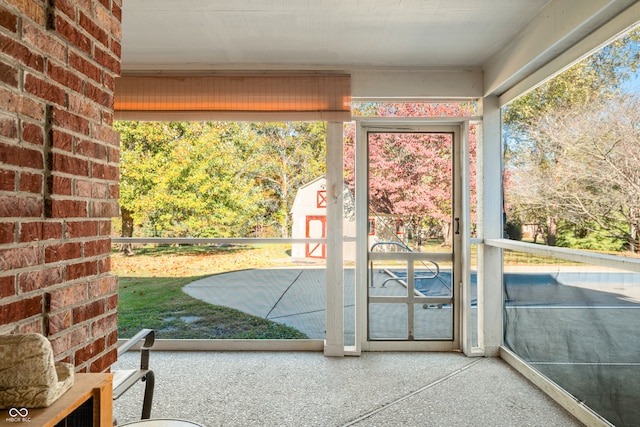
column 513, row 229
column 215, row 179
column 588, row 236
column 601, row 74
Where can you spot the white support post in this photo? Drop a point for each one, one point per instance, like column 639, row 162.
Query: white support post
column 334, row 340
column 490, row 288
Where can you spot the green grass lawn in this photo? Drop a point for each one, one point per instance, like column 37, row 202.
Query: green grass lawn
column 150, row 299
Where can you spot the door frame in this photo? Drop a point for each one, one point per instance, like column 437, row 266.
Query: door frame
column 461, row 241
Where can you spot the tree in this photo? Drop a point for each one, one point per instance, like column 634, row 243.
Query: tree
column 410, row 173
column 288, row 155
column 215, row 179
column 530, row 194
column 586, row 167
column 144, row 147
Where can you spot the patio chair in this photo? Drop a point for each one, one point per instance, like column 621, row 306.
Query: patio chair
column 123, row 379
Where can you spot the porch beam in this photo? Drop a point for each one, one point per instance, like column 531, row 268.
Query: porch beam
column 334, row 340
column 490, row 293
column 559, row 26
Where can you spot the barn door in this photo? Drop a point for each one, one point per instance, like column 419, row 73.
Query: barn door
column 316, row 228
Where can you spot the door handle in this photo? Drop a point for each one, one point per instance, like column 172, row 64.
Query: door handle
column 457, row 225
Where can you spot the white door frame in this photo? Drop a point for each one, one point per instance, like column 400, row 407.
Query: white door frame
column 461, row 335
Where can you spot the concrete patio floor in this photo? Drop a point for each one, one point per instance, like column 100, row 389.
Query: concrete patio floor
column 309, row 389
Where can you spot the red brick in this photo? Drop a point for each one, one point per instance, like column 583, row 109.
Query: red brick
column 103, row 362
column 77, row 229
column 108, row 61
column 8, row 127
column 89, row 352
column 70, row 165
column 82, row 188
column 19, row 310
column 62, row 252
column 44, row 90
column 31, row 182
column 109, row 82
column 104, row 265
column 15, row 103
column 32, row 327
column 99, row 190
column 66, row 297
column 84, row 66
column 70, row 122
column 100, row 171
column 62, row 140
column 88, row 311
column 91, row 149
column 59, row 322
column 7, row 286
column 41, row 279
column 112, row 338
column 21, row 156
column 72, row 34
column 8, row 20
column 93, row 29
column 52, row 230
column 107, row 22
column 72, row 338
column 97, row 247
column 82, row 269
column 114, row 191
column 8, row 74
column 67, row 7
column 114, row 155
column 82, row 107
column 64, row 77
column 107, row 118
column 102, row 326
column 41, row 39
column 7, row 180
column 98, row 95
column 116, row 10
column 103, row 286
column 21, row 53
column 30, row 231
column 14, row 258
column 68, row 209
column 61, row 186
column 105, row 228
column 105, row 209
column 32, row 133
column 30, row 9
column 7, row 232
column 25, row 207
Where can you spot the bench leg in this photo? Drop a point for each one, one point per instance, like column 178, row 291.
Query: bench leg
column 149, row 381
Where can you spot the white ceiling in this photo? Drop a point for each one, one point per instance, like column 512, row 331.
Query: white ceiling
column 497, row 43
column 318, row 34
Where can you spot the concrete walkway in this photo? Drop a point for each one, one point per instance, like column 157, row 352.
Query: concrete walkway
column 293, row 296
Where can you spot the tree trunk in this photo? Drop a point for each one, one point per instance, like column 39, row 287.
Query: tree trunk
column 127, row 230
column 552, row 231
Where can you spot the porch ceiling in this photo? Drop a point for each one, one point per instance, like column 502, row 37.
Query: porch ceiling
column 356, row 35
column 318, row 34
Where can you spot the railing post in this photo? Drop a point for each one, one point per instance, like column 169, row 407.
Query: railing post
column 334, row 340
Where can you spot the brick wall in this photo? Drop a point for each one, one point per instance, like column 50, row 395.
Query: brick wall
column 59, row 174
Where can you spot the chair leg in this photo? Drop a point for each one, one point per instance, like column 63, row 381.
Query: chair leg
column 148, row 395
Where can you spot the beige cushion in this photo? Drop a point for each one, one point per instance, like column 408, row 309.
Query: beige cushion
column 29, row 377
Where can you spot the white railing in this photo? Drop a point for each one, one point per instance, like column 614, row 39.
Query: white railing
column 575, row 255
